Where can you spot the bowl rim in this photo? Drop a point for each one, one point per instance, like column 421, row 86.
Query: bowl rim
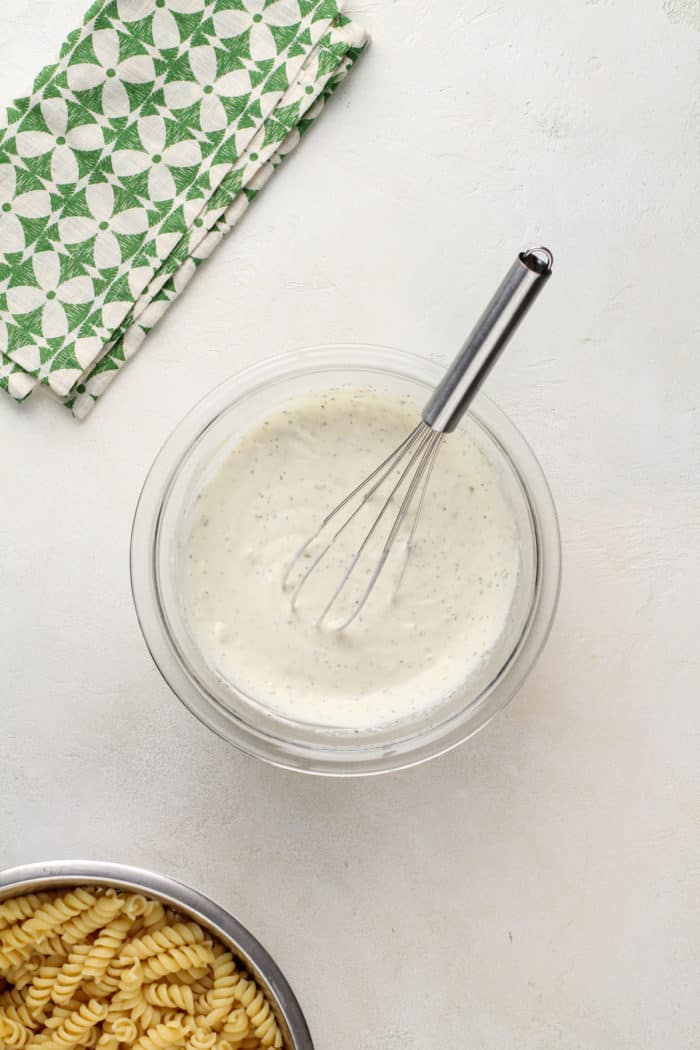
column 30, row 878
column 143, row 552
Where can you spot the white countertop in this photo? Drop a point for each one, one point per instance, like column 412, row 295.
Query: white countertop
column 540, row 886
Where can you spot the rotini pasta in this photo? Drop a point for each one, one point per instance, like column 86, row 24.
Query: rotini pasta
column 51, row 946
column 201, row 1039
column 70, row 975
column 154, row 913
column 55, row 912
column 11, row 997
column 107, row 1042
column 191, row 977
column 106, row 947
column 100, row 989
column 178, row 959
column 236, row 1026
column 179, row 935
column 19, row 1013
column 76, row 1028
column 91, row 1039
column 135, row 905
column 19, row 908
column 15, row 947
column 222, row 996
column 59, row 1015
column 146, row 1015
column 171, row 996
column 124, row 1028
column 23, row 973
column 154, row 917
column 98, row 969
column 161, row 1037
column 259, row 1012
column 38, row 994
column 12, row 1033
column 102, row 912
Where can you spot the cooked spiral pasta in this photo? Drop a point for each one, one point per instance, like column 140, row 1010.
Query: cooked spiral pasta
column 52, row 945
column 12, row 1034
column 131, row 980
column 154, row 918
column 18, row 1012
column 110, row 981
column 91, row 1039
column 146, row 1015
column 135, row 905
column 129, row 997
column 171, row 996
column 106, row 947
column 22, row 974
column 15, row 947
column 102, row 989
column 102, row 912
column 201, row 1039
column 76, row 1027
column 178, row 959
column 70, row 975
column 18, row 908
column 11, row 997
column 260, row 1014
column 56, row 912
column 59, row 1014
column 191, row 977
column 236, row 1027
column 124, row 1028
column 107, row 1042
column 160, row 1037
column 98, row 969
column 204, row 985
column 179, row 935
column 39, row 991
column 221, row 997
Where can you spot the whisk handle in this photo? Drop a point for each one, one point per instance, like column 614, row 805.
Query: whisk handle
column 516, row 294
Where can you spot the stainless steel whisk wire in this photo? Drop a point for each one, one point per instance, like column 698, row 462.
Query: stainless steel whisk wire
column 446, row 407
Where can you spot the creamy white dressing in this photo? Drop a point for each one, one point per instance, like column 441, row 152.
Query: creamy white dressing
column 406, row 652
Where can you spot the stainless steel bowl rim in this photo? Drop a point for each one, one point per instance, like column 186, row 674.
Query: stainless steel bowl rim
column 57, row 874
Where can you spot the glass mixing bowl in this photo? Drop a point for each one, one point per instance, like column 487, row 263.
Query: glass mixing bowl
column 191, row 456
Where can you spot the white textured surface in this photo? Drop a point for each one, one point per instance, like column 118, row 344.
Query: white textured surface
column 539, row 887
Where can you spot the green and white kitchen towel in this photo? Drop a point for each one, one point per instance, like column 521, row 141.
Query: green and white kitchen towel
column 132, row 158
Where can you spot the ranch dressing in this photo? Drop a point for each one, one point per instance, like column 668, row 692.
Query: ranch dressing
column 406, row 652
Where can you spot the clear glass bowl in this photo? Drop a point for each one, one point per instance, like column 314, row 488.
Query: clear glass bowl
column 189, row 458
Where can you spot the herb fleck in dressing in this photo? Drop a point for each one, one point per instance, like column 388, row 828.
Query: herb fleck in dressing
column 404, row 654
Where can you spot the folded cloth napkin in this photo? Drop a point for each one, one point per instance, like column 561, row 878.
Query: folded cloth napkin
column 132, row 158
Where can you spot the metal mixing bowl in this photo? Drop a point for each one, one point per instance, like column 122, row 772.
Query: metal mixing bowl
column 60, row 874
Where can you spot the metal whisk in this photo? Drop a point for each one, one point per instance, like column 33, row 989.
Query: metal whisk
column 416, row 456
